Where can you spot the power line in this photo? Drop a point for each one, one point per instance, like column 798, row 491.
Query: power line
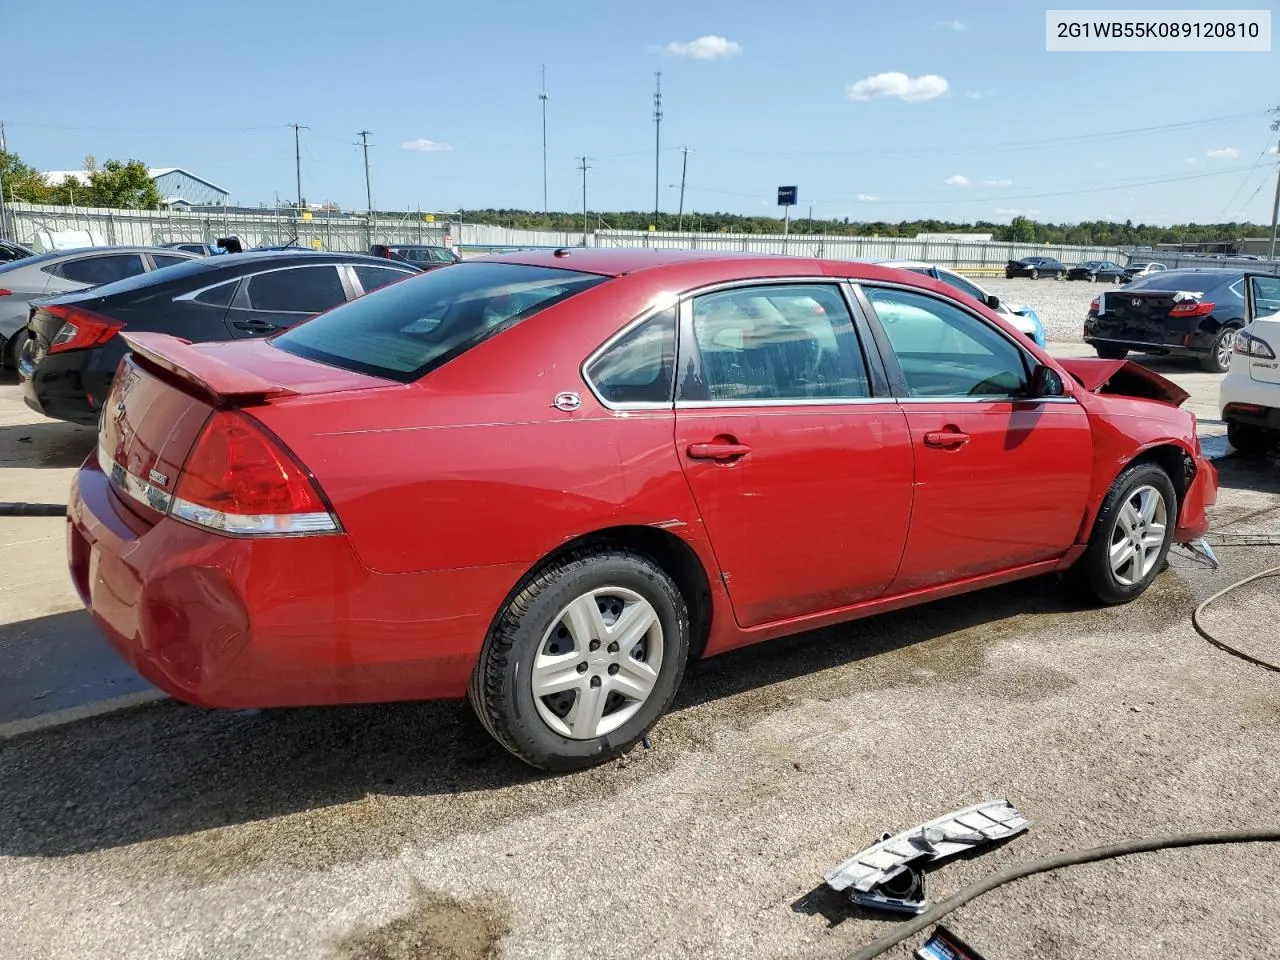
column 1245, row 179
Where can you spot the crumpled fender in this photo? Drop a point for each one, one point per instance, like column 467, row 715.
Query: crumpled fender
column 1096, row 375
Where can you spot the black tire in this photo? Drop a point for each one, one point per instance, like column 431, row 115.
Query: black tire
column 13, row 350
column 1218, row 359
column 1057, row 275
column 1093, row 278
column 1250, row 441
column 501, row 692
column 1092, row 577
column 1035, row 274
column 1111, row 353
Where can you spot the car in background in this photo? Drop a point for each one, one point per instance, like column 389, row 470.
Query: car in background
column 1249, row 395
column 512, row 480
column 1035, row 268
column 1095, row 270
column 199, row 249
column 423, row 256
column 1192, row 312
column 10, row 251
column 1021, row 316
column 61, row 271
column 1142, row 268
column 73, row 341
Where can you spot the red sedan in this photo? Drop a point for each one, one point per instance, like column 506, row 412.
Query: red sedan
column 549, row 480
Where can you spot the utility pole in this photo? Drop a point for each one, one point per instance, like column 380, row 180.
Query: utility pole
column 584, row 168
column 4, row 209
column 1275, row 206
column 297, row 158
column 811, row 218
column 684, row 168
column 543, row 97
column 368, row 195
column 657, row 141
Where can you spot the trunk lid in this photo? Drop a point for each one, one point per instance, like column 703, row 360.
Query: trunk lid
column 1123, row 378
column 1262, row 314
column 165, row 390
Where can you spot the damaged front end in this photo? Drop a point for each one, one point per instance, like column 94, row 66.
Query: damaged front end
column 1123, row 378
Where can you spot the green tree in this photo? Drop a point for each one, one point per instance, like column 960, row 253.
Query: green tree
column 118, row 184
column 1022, row 230
column 22, row 182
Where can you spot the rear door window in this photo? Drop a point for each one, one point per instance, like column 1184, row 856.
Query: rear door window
column 102, row 269
column 165, row 260
column 406, row 330
column 308, row 289
column 640, row 366
column 371, row 278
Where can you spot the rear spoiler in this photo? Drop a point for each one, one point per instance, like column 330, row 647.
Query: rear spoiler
column 220, row 380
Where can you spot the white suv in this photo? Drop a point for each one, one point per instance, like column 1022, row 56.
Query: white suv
column 1250, row 392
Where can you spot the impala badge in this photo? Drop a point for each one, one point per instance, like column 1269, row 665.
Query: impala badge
column 567, row 401
column 158, row 478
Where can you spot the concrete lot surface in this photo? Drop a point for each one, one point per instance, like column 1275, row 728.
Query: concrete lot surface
column 401, row 831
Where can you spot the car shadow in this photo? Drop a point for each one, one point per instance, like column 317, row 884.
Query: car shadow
column 172, row 770
column 49, row 443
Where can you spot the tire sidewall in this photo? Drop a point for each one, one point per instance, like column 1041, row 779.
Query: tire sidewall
column 531, row 738
column 1097, row 561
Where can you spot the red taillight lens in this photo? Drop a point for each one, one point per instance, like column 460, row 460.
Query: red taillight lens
column 1192, row 308
column 5, row 293
column 238, row 479
column 81, row 329
column 1093, row 307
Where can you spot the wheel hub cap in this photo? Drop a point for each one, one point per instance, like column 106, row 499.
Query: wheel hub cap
column 597, row 663
column 1138, row 535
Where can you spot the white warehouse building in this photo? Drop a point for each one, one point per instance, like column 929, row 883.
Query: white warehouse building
column 178, row 187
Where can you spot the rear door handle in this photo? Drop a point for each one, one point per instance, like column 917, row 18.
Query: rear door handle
column 717, row 451
column 945, row 438
column 253, row 326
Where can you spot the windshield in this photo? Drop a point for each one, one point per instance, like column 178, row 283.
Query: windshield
column 408, row 329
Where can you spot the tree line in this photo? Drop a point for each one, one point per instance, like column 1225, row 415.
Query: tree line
column 121, row 184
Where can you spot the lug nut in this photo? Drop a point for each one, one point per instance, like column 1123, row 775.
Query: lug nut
column 582, row 668
column 613, row 669
column 613, row 647
column 595, row 681
column 594, row 645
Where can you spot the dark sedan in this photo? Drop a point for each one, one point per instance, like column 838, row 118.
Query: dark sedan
column 1035, row 268
column 423, row 256
column 1192, row 313
column 73, row 346
column 1095, row 270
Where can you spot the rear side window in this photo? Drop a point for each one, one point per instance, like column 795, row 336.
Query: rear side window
column 296, row 290
column 164, row 260
column 406, row 330
column 104, row 269
column 219, row 296
column 371, row 278
column 639, row 367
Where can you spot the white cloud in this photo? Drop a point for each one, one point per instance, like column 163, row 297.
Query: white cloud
column 893, row 84
column 1222, row 153
column 423, row 145
column 955, row 25
column 709, row 47
column 997, row 183
column 957, row 181
column 867, row 198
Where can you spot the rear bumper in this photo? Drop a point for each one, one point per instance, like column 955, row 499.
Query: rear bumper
column 234, row 622
column 65, row 386
column 1201, row 345
column 1245, row 400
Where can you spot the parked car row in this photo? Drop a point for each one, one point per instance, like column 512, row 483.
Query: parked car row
column 1091, row 270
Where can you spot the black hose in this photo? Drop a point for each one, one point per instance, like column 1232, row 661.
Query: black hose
column 33, row 509
column 1200, row 628
column 1056, row 862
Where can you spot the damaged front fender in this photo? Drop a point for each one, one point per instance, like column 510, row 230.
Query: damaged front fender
column 1123, row 378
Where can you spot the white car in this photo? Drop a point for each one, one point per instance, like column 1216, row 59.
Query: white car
column 1250, row 392
column 1021, row 316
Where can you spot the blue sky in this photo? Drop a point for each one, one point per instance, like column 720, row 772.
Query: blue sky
column 763, row 94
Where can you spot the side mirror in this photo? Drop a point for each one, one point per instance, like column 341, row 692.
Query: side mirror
column 1046, row 382
column 993, row 301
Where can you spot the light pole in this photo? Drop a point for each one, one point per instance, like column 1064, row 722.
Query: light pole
column 543, row 97
column 584, row 168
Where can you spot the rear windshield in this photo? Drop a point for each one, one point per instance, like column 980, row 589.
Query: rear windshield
column 405, row 330
column 1181, row 280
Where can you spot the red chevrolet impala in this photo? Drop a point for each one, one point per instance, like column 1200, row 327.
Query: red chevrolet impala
column 548, row 480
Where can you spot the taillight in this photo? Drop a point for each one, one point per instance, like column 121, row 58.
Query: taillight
column 81, row 329
column 239, row 479
column 1192, row 308
column 5, row 293
column 1252, row 346
column 1093, row 307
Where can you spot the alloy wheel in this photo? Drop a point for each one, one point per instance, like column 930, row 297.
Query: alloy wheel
column 598, row 663
column 1138, row 535
column 1226, row 346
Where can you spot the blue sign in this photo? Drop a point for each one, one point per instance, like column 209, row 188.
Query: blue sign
column 787, row 196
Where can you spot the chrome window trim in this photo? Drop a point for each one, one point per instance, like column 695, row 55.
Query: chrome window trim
column 191, row 295
column 991, row 399
column 599, row 351
column 785, row 402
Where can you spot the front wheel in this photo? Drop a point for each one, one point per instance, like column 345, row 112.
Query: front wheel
column 1111, row 353
column 1218, row 360
column 1093, row 278
column 584, row 660
column 13, row 350
column 1035, row 274
column 1249, row 440
column 1130, row 538
column 1058, row 275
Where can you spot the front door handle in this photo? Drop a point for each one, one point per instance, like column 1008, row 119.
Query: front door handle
column 253, row 326
column 717, row 451
column 946, row 439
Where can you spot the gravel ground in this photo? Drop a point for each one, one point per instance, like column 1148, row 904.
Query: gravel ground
column 1061, row 304
column 401, row 832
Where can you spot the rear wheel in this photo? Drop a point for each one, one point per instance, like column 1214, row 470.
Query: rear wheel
column 1057, row 275
column 1250, row 440
column 1218, row 360
column 1035, row 274
column 584, row 660
column 13, row 350
column 1112, row 353
column 1093, row 278
column 1130, row 538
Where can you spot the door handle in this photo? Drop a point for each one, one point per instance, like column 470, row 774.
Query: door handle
column 254, row 326
column 945, row 439
column 717, row 451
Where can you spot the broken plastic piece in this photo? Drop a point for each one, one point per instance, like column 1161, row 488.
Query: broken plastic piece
column 904, row 893
column 1202, row 552
column 945, row 945
column 948, row 835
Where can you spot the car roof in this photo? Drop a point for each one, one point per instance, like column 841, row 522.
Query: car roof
column 620, row 261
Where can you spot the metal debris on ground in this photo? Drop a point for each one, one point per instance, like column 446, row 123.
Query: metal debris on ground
column 887, row 875
column 945, row 945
